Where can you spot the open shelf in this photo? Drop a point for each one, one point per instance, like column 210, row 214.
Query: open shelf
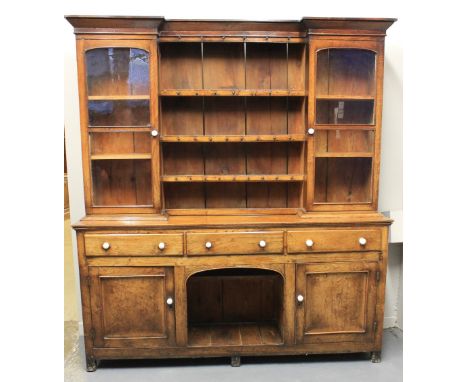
column 242, row 334
column 235, row 307
column 234, row 138
column 233, row 92
column 344, row 155
column 247, row 69
column 232, row 116
column 233, row 178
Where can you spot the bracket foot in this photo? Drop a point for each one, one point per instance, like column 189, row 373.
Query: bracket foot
column 235, row 361
column 376, row 356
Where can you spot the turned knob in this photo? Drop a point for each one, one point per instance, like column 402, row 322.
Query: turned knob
column 362, row 241
column 105, row 246
column 262, row 243
column 310, row 131
column 300, row 298
column 208, row 245
column 170, row 301
column 161, row 246
column 154, row 133
column 309, row 243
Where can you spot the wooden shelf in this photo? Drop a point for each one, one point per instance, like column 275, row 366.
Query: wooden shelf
column 345, row 97
column 120, row 156
column 344, row 155
column 119, row 98
column 233, row 178
column 234, row 138
column 234, row 335
column 233, row 92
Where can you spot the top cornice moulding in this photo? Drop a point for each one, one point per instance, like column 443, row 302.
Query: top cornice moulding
column 158, row 24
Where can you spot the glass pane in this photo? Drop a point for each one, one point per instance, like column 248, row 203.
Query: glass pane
column 119, row 113
column 343, row 180
column 120, row 143
column 341, row 141
column 122, row 182
column 117, row 71
column 348, row 112
column 345, row 72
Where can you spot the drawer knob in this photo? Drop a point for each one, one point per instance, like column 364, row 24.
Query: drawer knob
column 309, row 243
column 105, row 246
column 300, row 298
column 161, row 246
column 208, row 245
column 362, row 241
column 154, row 133
column 170, row 301
column 262, row 243
column 310, row 131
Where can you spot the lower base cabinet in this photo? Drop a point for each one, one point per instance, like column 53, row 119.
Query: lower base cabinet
column 233, row 310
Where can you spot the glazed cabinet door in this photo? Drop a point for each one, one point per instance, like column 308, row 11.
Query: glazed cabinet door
column 336, row 302
column 119, row 124
column 132, row 306
column 345, row 108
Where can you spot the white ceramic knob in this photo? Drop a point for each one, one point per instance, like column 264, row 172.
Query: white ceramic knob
column 161, row 246
column 262, row 243
column 154, row 133
column 362, row 241
column 208, row 244
column 309, row 243
column 300, row 298
column 105, row 246
column 310, row 131
column 170, row 301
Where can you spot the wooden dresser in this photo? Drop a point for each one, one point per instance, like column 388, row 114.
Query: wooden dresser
column 231, row 174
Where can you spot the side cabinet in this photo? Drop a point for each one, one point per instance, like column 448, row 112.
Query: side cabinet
column 132, row 306
column 336, row 302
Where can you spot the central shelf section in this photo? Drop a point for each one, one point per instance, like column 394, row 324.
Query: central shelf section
column 233, row 117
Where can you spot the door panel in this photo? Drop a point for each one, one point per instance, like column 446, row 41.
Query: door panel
column 129, row 306
column 338, row 302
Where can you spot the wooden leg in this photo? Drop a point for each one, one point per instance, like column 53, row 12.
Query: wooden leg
column 235, row 361
column 375, row 356
column 91, row 364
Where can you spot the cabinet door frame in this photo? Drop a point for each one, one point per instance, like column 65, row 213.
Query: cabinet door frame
column 364, row 335
column 149, row 45
column 98, row 275
column 376, row 45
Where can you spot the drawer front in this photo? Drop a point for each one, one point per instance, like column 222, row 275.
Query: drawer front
column 234, row 243
column 334, row 240
column 134, row 245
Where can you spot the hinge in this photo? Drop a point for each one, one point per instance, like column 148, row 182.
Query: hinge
column 377, row 276
column 375, row 326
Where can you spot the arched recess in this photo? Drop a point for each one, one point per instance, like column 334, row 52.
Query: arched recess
column 237, row 306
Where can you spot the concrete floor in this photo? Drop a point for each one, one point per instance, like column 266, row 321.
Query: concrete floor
column 288, row 369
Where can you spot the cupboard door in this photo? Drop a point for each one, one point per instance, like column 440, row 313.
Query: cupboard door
column 130, row 306
column 336, row 302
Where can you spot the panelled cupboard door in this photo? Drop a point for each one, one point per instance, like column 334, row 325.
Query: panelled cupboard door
column 336, row 302
column 130, row 306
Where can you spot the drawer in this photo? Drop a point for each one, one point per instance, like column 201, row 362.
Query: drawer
column 134, row 245
column 230, row 243
column 334, row 240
